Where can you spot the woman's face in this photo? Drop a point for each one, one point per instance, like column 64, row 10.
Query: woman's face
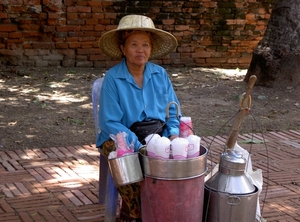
column 137, row 48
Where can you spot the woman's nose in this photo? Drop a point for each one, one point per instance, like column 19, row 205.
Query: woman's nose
column 140, row 48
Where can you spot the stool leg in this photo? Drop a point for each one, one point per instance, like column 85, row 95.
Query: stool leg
column 103, row 172
column 108, row 193
column 111, row 200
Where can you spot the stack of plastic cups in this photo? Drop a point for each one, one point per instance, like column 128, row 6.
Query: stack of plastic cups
column 186, row 127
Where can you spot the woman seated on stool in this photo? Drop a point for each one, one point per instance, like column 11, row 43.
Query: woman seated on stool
column 135, row 91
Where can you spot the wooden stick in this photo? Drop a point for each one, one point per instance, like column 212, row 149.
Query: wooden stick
column 244, row 107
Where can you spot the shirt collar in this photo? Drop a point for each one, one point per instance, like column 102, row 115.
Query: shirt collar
column 122, row 71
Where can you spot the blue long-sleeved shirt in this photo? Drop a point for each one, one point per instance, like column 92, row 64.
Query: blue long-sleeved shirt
column 123, row 102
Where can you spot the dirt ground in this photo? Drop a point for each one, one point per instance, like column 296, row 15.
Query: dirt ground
column 52, row 107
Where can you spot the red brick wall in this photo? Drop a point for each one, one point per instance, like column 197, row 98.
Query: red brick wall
column 211, row 33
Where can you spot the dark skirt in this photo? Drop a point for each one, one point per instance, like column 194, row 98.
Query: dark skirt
column 131, row 204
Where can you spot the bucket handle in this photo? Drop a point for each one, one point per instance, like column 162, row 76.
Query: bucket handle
column 168, row 110
column 233, row 200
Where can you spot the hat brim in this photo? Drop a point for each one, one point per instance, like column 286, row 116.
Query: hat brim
column 163, row 43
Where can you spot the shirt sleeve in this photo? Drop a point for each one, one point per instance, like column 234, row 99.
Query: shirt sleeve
column 111, row 114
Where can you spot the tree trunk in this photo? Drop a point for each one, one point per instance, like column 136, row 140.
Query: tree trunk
column 276, row 59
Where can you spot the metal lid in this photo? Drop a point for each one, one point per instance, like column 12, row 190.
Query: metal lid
column 232, row 162
column 231, row 177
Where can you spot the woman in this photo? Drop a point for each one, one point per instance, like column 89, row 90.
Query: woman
column 135, row 92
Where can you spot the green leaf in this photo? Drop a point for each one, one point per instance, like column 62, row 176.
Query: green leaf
column 178, row 84
column 65, row 80
column 70, row 120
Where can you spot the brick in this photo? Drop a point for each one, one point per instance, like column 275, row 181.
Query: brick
column 67, row 52
column 87, row 51
column 82, row 3
column 73, row 198
column 87, row 45
column 47, row 28
column 9, row 217
column 84, row 64
column 54, row 15
column 82, row 197
column 22, row 188
column 88, row 193
column 15, row 35
column 68, row 28
column 94, row 3
column 43, row 173
column 3, row 34
column 72, row 16
column 92, row 21
column 8, row 28
column 25, row 217
column 168, row 21
column 47, row 215
column 53, row 57
column 12, row 43
column 216, row 60
column 79, row 22
column 97, row 10
column 80, row 9
column 244, row 60
column 3, row 15
column 61, row 45
column 18, row 9
column 69, row 216
column 30, row 187
column 202, row 54
column 5, row 206
column 30, row 27
column 68, row 63
column 74, row 45
column 8, row 52
column 32, row 2
column 97, row 15
column 13, row 189
column 43, row 45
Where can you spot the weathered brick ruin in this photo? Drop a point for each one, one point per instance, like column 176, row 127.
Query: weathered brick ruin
column 211, row 33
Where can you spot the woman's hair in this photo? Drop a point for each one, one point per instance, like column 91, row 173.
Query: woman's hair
column 123, row 35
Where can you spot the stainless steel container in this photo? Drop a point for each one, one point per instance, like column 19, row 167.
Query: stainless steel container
column 173, row 190
column 229, row 194
column 125, row 169
column 170, row 169
column 225, row 207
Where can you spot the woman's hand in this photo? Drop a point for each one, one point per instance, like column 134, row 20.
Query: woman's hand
column 173, row 137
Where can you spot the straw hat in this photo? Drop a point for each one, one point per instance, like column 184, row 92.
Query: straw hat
column 163, row 42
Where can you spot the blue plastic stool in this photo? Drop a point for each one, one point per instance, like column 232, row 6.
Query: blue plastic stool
column 108, row 193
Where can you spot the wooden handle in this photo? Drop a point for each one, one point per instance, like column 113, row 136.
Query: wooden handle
column 245, row 101
column 244, row 105
column 235, row 129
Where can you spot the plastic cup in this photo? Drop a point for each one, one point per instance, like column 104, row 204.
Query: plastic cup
column 162, row 147
column 179, row 148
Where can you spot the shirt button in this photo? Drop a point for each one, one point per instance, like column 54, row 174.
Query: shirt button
column 145, row 106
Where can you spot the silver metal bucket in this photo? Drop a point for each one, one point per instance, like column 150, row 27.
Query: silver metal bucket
column 170, row 169
column 229, row 194
column 125, row 169
column 225, row 207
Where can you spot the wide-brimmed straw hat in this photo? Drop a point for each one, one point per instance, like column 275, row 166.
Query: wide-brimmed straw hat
column 163, row 42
